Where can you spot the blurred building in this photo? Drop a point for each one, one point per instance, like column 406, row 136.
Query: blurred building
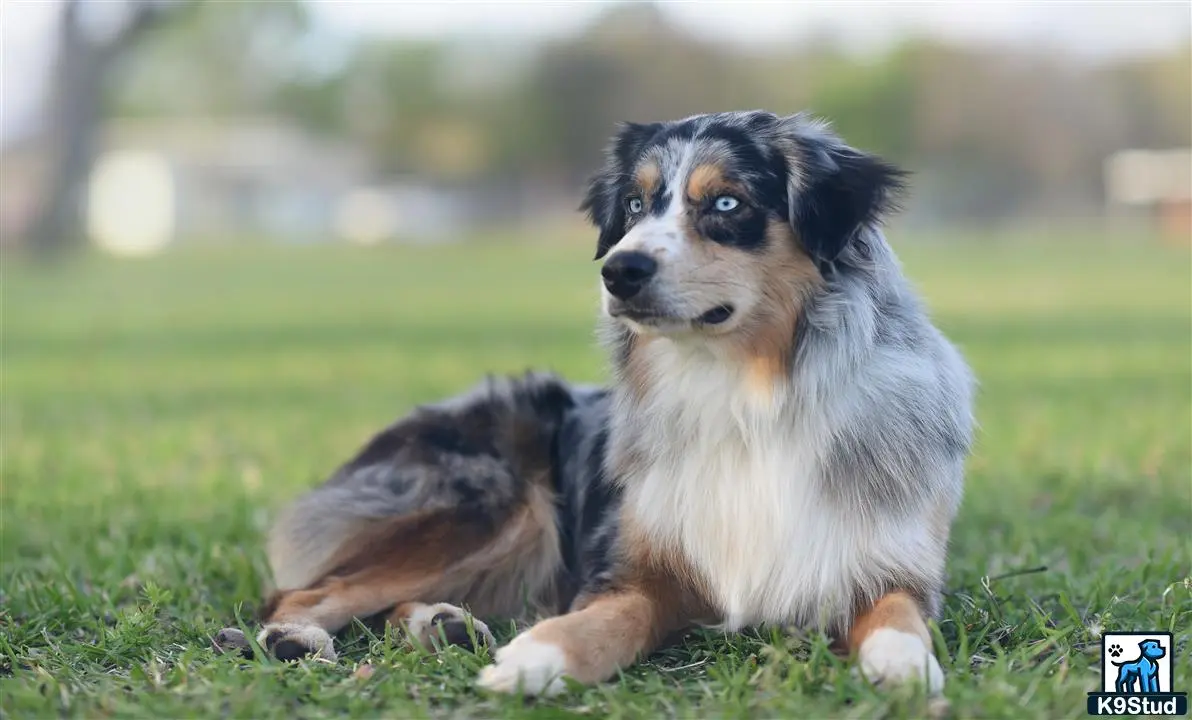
column 156, row 182
column 1155, row 182
column 224, row 179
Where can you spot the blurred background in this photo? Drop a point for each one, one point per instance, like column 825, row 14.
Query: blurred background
column 137, row 124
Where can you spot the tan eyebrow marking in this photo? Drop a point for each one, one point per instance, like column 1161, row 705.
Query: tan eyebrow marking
column 647, row 177
column 707, row 180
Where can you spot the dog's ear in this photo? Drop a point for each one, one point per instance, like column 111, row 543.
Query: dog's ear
column 603, row 201
column 833, row 191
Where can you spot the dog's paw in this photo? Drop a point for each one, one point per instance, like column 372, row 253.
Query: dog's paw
column 433, row 625
column 528, row 666
column 891, row 657
column 286, row 641
column 231, row 640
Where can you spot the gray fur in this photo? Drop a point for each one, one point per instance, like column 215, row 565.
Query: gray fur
column 909, row 418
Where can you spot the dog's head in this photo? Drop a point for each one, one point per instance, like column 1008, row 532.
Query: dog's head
column 1151, row 649
column 717, row 224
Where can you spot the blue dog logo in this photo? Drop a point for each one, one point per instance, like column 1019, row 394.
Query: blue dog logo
column 1142, row 686
column 1141, row 675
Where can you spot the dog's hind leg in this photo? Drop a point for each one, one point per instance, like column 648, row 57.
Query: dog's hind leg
column 368, row 570
column 300, row 622
column 421, row 570
column 453, row 504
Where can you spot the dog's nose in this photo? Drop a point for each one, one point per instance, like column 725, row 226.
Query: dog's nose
column 626, row 273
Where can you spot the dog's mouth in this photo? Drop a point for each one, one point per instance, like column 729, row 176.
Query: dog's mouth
column 653, row 319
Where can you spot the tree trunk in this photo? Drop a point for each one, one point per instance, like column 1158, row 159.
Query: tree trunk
column 74, row 121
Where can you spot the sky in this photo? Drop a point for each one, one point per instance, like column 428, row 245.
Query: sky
column 1088, row 29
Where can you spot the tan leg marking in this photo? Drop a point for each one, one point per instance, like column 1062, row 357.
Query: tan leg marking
column 605, row 632
column 588, row 645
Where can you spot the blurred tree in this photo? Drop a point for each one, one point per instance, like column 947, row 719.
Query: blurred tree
column 393, row 97
column 209, row 59
column 92, row 40
column 632, row 64
column 873, row 104
column 1156, row 97
column 227, row 59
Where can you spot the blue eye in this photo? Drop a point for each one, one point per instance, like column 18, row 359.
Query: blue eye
column 633, row 205
column 726, row 203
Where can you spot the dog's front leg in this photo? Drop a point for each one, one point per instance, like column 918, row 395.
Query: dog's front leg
column 602, row 635
column 891, row 642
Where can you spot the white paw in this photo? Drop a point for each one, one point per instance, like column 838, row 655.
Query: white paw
column 526, row 665
column 425, row 622
column 892, row 657
column 287, row 641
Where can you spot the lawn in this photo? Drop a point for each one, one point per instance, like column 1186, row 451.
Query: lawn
column 156, row 413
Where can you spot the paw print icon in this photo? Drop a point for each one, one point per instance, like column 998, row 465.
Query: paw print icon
column 1115, row 650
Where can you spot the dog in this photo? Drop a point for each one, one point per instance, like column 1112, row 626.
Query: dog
column 1141, row 675
column 782, row 443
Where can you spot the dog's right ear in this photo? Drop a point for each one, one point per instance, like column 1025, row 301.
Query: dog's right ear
column 603, row 200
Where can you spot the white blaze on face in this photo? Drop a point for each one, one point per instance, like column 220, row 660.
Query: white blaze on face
column 661, row 236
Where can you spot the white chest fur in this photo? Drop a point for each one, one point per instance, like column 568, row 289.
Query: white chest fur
column 734, row 486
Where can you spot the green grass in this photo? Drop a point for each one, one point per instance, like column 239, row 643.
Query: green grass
column 156, row 413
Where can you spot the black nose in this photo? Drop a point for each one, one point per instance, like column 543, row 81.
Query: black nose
column 626, row 273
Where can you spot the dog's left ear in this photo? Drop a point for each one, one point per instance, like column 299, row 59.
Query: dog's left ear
column 603, row 201
column 833, row 191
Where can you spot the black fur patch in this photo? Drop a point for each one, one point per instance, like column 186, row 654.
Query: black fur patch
column 744, row 228
column 661, row 199
column 603, row 202
column 846, row 191
column 588, row 501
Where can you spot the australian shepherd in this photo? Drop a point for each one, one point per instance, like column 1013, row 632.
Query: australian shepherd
column 783, row 441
